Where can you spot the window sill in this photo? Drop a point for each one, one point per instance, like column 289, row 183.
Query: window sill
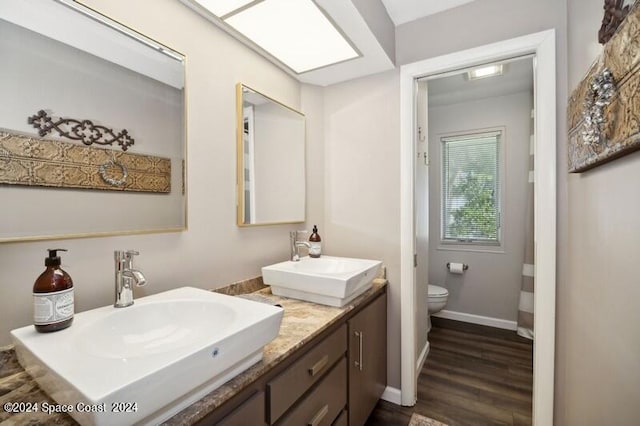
column 478, row 248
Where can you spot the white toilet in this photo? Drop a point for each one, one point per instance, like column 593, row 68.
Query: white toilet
column 437, row 301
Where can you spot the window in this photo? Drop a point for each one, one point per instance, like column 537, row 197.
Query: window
column 471, row 188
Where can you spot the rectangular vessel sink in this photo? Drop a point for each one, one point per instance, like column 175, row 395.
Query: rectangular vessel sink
column 328, row 280
column 150, row 360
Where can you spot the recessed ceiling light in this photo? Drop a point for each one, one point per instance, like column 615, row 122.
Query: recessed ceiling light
column 489, row 71
column 296, row 32
column 221, row 8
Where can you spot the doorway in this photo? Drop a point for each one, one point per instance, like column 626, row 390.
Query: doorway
column 542, row 47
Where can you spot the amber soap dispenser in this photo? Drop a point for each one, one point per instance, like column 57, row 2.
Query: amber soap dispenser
column 53, row 296
column 315, row 241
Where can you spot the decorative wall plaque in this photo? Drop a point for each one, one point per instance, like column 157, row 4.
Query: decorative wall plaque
column 594, row 139
column 42, row 162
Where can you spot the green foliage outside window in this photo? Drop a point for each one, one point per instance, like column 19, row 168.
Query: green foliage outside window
column 476, row 219
column 471, row 188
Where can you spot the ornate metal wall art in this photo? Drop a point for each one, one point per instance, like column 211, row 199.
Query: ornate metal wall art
column 614, row 14
column 603, row 121
column 80, row 130
column 599, row 94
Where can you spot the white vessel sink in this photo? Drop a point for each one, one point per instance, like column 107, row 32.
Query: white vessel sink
column 154, row 358
column 333, row 281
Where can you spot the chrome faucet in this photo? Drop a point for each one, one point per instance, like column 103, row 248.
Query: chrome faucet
column 295, row 244
column 126, row 276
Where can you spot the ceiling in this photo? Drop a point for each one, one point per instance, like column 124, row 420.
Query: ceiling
column 374, row 58
column 353, row 17
column 517, row 77
column 402, row 11
column 361, row 21
column 369, row 26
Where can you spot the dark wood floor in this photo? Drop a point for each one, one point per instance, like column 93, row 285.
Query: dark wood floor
column 474, row 375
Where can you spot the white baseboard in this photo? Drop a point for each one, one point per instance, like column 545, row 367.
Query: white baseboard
column 422, row 358
column 478, row 319
column 391, row 395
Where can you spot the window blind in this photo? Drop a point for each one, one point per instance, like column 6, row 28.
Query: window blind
column 471, row 188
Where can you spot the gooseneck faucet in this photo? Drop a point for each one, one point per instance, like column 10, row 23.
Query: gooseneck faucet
column 126, row 277
column 295, row 245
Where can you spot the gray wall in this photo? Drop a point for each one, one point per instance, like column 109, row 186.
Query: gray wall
column 362, row 181
column 475, row 24
column 491, row 286
column 312, row 104
column 598, row 320
column 214, row 251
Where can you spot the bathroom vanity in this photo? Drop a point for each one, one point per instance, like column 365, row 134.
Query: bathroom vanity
column 326, row 367
column 330, row 359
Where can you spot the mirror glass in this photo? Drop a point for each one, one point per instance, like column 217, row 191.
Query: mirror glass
column 271, row 160
column 92, row 125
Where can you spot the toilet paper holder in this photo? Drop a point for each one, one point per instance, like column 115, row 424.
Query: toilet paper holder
column 464, row 266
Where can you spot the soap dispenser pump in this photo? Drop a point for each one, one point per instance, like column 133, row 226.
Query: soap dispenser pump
column 315, row 241
column 53, row 296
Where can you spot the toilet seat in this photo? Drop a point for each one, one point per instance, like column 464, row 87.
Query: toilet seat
column 437, row 291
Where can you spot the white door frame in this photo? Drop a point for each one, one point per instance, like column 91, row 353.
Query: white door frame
column 542, row 45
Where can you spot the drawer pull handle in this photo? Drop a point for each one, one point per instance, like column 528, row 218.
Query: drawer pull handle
column 315, row 421
column 360, row 336
column 318, row 366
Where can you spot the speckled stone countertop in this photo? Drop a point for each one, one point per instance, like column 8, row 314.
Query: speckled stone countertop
column 17, row 386
column 302, row 321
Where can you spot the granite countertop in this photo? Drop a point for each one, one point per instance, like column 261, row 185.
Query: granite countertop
column 302, row 321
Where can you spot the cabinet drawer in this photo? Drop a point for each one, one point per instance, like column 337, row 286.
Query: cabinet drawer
column 285, row 389
column 251, row 412
column 324, row 403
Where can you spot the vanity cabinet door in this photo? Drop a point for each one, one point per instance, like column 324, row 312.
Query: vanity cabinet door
column 367, row 359
column 251, row 412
